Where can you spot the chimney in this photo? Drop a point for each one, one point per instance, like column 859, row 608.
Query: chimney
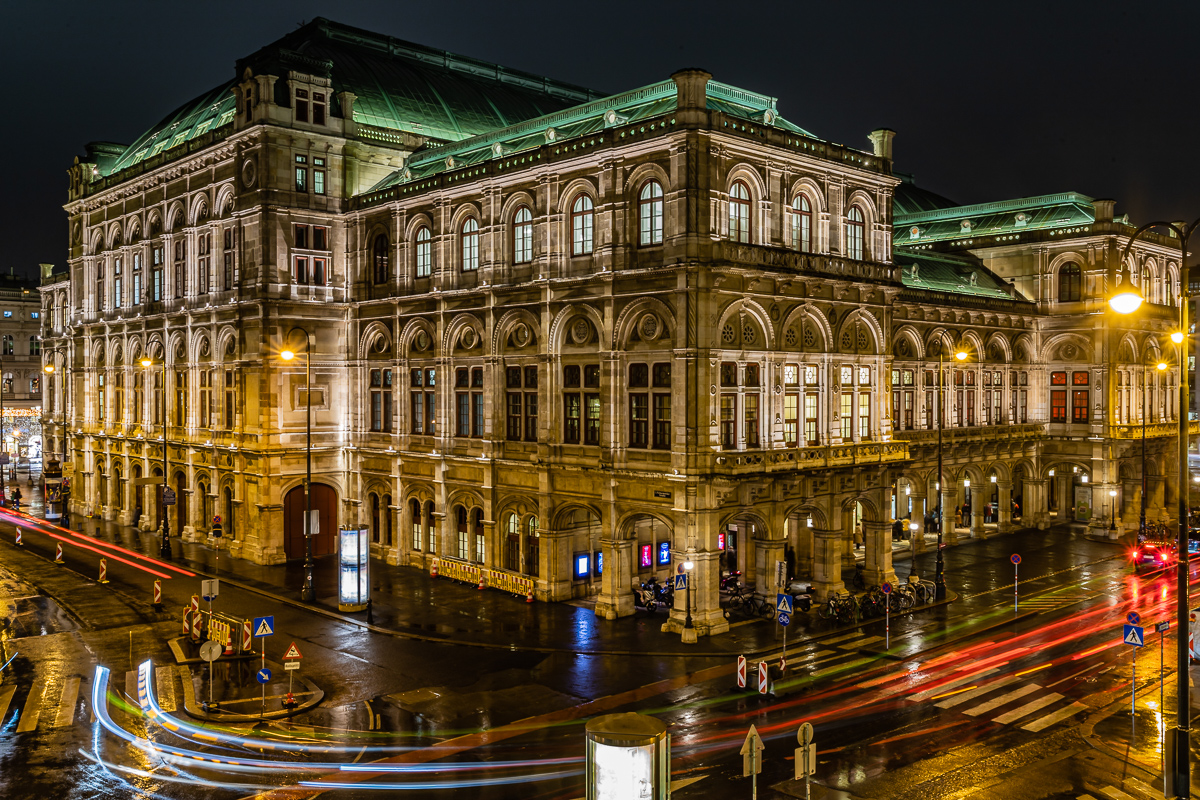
column 47, row 271
column 881, row 142
column 690, row 90
column 1103, row 209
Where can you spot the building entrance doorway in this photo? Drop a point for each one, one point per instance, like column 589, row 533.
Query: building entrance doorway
column 324, row 502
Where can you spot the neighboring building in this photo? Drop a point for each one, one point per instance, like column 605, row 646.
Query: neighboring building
column 21, row 366
column 566, row 336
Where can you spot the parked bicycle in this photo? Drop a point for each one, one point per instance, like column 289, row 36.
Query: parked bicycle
column 744, row 602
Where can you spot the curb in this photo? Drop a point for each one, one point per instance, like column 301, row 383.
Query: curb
column 195, row 711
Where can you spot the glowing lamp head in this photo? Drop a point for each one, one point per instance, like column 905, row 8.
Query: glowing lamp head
column 1127, row 299
column 147, row 362
column 1112, row 492
column 1161, row 366
column 688, row 565
column 961, row 355
column 1177, row 337
column 49, row 368
column 967, row 483
column 287, row 355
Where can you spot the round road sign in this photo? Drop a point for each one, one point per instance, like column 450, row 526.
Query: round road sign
column 210, row 651
column 784, row 619
column 886, row 588
column 804, row 735
column 263, row 675
column 1016, row 558
column 1133, row 618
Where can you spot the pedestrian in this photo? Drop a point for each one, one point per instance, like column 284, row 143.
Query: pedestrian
column 858, row 536
column 789, row 556
column 896, row 530
column 958, row 517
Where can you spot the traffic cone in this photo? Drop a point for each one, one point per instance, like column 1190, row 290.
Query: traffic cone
column 529, row 595
column 481, row 580
column 289, row 701
column 433, row 569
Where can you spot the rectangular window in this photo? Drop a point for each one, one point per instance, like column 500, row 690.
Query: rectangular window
column 811, row 434
column 1058, row 406
column 300, row 271
column 1079, row 406
column 227, row 283
column 1023, row 407
column 514, row 416
column 639, row 419
column 929, row 410
column 463, row 400
column 376, row 400
column 180, row 267
column 791, row 419
column 864, row 416
column 301, row 174
column 591, row 431
column 99, row 396
column 1058, row 379
column 301, row 107
column 572, row 417
column 729, row 421
column 662, row 422
column 750, row 409
column 959, row 405
column 320, row 272
column 847, row 416
column 230, row 399
column 1079, row 379
column 318, row 110
column 116, row 286
column 971, row 407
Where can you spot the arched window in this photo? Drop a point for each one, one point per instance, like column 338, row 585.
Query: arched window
column 512, row 543
column 381, row 273
column 1147, row 284
column 855, row 233
column 374, row 498
column 424, row 252
column 227, row 512
column 479, row 537
column 470, row 245
column 800, row 219
column 464, row 542
column 739, row 212
column 1070, row 283
column 431, row 534
column 650, row 214
column 387, row 524
column 582, row 219
column 522, row 236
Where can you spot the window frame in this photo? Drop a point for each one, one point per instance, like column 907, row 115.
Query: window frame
column 800, row 223
column 469, row 245
column 740, row 212
column 423, row 266
column 522, row 235
column 856, row 233
column 650, row 213
column 1070, row 282
column 583, row 225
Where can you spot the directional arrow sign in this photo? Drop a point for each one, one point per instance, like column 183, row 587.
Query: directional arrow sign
column 263, row 675
column 1134, row 636
column 264, row 626
column 292, row 652
column 751, row 753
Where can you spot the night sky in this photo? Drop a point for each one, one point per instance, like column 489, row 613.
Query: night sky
column 990, row 100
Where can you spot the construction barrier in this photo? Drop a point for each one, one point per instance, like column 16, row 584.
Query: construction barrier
column 202, row 624
column 483, row 577
column 247, row 637
column 58, row 559
column 19, row 543
column 103, row 570
column 158, row 595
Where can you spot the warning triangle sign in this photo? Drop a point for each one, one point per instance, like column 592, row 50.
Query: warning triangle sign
column 264, row 629
column 292, row 652
column 1133, row 636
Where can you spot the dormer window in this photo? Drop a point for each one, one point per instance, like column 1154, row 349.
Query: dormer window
column 302, row 105
column 318, row 108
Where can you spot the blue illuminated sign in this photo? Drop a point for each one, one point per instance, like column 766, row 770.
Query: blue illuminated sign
column 583, row 566
column 664, row 553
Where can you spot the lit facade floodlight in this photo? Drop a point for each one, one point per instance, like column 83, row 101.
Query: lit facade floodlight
column 49, row 368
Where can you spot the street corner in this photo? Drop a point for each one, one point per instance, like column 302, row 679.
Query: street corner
column 814, row 791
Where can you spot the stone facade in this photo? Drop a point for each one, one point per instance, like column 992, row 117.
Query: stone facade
column 583, row 347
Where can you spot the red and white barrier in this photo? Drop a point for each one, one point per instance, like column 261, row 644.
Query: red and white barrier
column 741, row 672
column 158, row 595
column 103, row 570
column 247, row 637
column 187, row 625
column 19, row 542
column 764, row 680
column 58, row 559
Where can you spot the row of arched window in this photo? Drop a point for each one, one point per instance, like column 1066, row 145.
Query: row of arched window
column 1070, row 285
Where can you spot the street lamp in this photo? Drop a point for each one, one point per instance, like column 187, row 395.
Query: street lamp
column 1177, row 747
column 1126, row 299
column 1112, row 509
column 688, row 566
column 307, row 592
column 164, row 550
column 939, row 576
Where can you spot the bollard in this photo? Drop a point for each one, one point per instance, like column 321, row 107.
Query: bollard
column 764, row 678
column 158, row 595
column 103, row 570
column 741, row 672
column 247, row 638
column 228, row 642
column 19, row 542
column 58, row 559
column 187, row 626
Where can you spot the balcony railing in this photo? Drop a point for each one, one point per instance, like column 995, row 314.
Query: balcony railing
column 989, row 433
column 740, row 462
column 1155, row 430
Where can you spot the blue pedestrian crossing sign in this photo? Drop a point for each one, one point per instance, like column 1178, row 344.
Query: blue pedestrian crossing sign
column 784, row 618
column 264, row 626
column 264, row 675
column 680, row 582
column 783, row 603
column 1134, row 636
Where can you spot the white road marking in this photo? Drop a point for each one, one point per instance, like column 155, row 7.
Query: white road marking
column 66, row 704
column 950, row 702
column 6, row 695
column 1116, row 794
column 995, row 703
column 1056, row 716
column 951, row 685
column 30, row 713
column 1028, row 708
column 847, row 665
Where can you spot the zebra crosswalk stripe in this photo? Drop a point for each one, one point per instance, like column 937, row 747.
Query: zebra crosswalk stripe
column 66, row 705
column 1116, row 794
column 1034, row 705
column 1053, row 717
column 993, row 704
column 958, row 699
column 30, row 713
column 6, row 695
column 950, row 686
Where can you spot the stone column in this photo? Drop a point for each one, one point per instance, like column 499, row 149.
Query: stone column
column 555, row 552
column 801, row 537
column 616, row 582
column 1005, row 500
column 949, row 501
column 977, row 504
column 767, row 551
column 827, row 563
column 878, row 565
column 1035, row 514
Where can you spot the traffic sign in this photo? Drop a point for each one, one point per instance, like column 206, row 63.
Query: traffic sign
column 210, row 651
column 785, row 619
column 292, row 652
column 805, row 734
column 886, row 588
column 1134, row 636
column 680, row 582
column 764, row 677
column 290, row 665
column 264, row 626
column 783, row 603
column 1161, row 627
column 263, row 675
column 217, row 519
column 210, row 589
column 168, row 497
column 1133, row 618
column 1016, row 558
column 751, row 753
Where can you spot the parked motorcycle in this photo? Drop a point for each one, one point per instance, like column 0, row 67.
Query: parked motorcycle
column 646, row 595
column 730, row 580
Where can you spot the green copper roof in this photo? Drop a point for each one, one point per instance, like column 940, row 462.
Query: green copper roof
column 940, row 272
column 626, row 108
column 398, row 85
column 992, row 222
column 909, row 198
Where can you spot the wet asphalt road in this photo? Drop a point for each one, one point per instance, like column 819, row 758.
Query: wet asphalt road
column 969, row 701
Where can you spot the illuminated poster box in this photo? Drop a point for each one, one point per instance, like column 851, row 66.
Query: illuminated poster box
column 628, row 758
column 354, row 569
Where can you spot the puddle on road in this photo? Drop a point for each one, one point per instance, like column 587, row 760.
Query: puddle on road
column 23, row 617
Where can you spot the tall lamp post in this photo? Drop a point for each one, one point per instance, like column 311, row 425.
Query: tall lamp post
column 307, row 592
column 65, row 517
column 1145, row 390
column 164, row 550
column 939, row 575
column 1126, row 300
column 1112, row 509
column 687, row 567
